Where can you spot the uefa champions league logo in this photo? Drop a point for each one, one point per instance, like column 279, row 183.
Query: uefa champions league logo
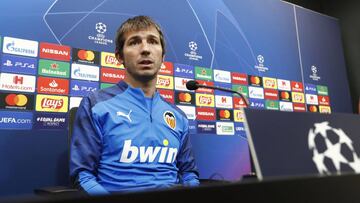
column 261, row 67
column 314, row 69
column 193, row 46
column 100, row 37
column 261, row 59
column 332, row 149
column 100, row 27
column 314, row 75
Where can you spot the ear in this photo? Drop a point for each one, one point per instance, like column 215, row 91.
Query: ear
column 118, row 57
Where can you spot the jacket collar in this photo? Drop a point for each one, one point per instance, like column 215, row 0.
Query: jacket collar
column 137, row 92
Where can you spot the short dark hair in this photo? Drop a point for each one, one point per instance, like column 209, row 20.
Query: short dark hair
column 135, row 24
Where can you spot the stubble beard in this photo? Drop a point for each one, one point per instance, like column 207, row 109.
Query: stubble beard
column 142, row 78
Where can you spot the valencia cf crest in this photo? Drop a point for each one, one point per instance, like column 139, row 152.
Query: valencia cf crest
column 170, row 119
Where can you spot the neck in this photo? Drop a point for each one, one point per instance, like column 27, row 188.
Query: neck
column 148, row 87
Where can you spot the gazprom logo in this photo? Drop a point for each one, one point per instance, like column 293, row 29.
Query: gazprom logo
column 148, row 154
column 20, row 46
column 84, row 72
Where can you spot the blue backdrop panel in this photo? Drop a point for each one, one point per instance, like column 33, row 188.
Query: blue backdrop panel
column 321, row 47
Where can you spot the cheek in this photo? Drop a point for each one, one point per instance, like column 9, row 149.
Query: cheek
column 128, row 56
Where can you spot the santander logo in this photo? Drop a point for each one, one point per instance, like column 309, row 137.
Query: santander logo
column 52, row 103
column 53, row 84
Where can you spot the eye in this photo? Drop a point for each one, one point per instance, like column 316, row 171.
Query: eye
column 153, row 41
column 133, row 42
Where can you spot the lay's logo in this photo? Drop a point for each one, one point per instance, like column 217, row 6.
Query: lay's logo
column 165, row 82
column 170, row 119
column 205, row 100
column 50, row 103
column 109, row 60
column 239, row 116
column 270, row 83
column 298, row 97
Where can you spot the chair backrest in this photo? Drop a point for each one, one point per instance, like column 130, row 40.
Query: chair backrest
column 72, row 114
column 62, row 190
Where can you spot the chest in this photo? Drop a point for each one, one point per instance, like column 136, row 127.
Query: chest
column 134, row 126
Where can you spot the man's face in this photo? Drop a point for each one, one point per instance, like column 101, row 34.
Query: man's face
column 142, row 54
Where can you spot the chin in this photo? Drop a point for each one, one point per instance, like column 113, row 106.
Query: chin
column 146, row 77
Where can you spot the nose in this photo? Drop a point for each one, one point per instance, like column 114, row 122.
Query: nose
column 145, row 48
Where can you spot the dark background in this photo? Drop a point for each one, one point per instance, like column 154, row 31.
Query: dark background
column 348, row 13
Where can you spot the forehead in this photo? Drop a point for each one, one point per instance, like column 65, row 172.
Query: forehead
column 142, row 33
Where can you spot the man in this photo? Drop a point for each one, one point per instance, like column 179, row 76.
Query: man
column 126, row 137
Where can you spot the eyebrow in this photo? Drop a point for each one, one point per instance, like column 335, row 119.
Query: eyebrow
column 150, row 36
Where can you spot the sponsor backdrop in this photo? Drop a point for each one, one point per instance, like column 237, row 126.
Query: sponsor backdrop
column 280, row 56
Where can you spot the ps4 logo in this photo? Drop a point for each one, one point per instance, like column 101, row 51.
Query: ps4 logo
column 257, row 105
column 18, row 64
column 183, row 70
column 83, row 88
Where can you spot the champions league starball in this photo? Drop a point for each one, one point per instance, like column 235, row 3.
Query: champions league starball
column 332, row 150
column 100, row 28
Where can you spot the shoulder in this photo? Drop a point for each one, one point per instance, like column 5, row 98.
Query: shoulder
column 105, row 94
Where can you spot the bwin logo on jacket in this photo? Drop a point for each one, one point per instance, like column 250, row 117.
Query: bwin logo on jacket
column 148, row 154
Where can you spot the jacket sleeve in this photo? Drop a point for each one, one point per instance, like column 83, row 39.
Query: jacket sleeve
column 188, row 173
column 85, row 150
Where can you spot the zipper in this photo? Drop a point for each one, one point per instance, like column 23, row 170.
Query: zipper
column 151, row 109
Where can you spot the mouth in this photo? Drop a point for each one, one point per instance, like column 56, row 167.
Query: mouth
column 146, row 62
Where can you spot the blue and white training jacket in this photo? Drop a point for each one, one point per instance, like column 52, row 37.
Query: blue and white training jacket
column 124, row 141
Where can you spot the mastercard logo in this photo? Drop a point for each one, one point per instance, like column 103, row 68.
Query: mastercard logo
column 224, row 114
column 285, row 95
column 255, row 80
column 86, row 55
column 313, row 109
column 16, row 100
column 184, row 97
